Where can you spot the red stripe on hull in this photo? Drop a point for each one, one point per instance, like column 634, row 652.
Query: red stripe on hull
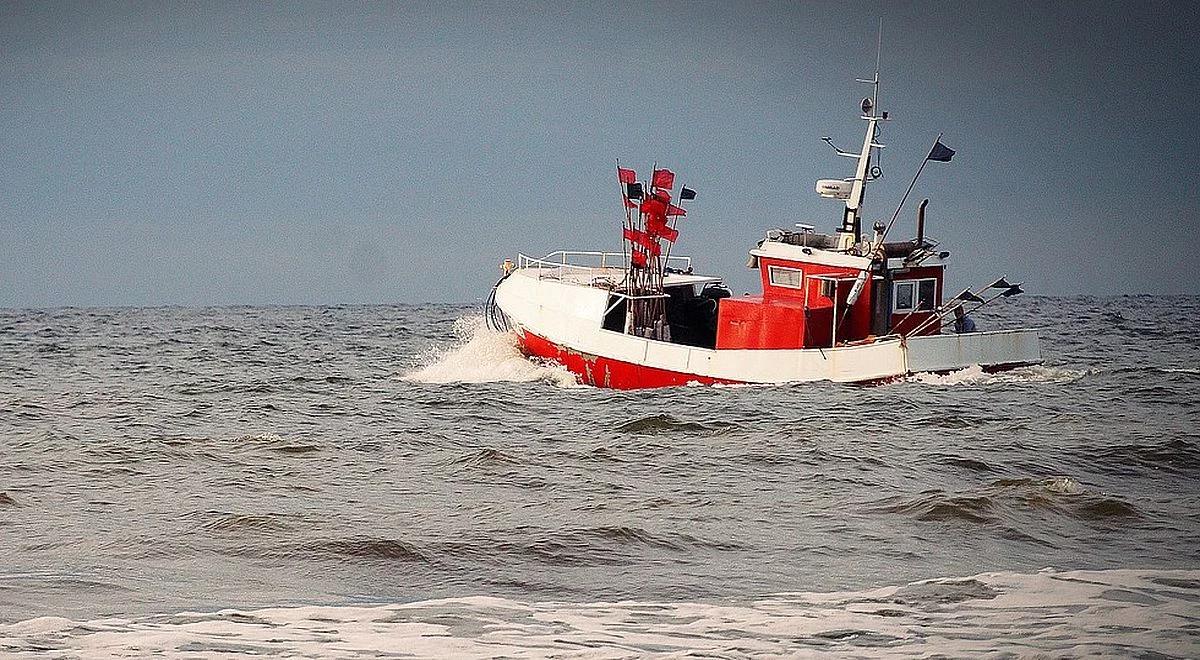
column 607, row 372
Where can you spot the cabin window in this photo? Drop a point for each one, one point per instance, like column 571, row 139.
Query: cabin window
column 926, row 294
column 792, row 278
column 915, row 295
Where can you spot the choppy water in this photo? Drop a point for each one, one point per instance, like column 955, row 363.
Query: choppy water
column 346, row 467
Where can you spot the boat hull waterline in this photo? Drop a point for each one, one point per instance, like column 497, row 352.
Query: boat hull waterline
column 561, row 321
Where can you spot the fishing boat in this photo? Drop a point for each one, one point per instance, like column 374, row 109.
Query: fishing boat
column 847, row 306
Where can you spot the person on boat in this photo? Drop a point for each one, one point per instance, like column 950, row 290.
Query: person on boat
column 963, row 323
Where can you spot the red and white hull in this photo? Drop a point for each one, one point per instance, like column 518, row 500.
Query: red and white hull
column 557, row 315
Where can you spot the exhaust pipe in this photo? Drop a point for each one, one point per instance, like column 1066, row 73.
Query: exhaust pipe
column 921, row 223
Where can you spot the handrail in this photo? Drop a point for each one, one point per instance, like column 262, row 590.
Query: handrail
column 559, row 259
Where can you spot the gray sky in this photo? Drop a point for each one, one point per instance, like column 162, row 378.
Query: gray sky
column 211, row 153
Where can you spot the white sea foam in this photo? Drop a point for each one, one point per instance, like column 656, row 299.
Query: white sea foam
column 261, row 438
column 975, row 375
column 482, row 355
column 1063, row 485
column 1117, row 613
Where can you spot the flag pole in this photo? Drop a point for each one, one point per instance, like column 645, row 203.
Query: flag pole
column 906, row 192
column 644, row 276
column 966, row 312
column 628, row 263
column 658, row 307
column 941, row 316
column 671, row 244
column 657, row 266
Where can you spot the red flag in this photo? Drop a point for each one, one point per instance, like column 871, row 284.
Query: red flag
column 638, row 259
column 643, row 240
column 626, row 176
column 675, row 210
column 663, row 179
column 637, row 249
column 654, row 210
column 659, row 228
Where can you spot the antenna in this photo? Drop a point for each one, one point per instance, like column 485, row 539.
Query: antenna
column 878, row 59
column 875, row 97
column 870, row 105
column 878, row 54
column 874, row 82
column 871, row 148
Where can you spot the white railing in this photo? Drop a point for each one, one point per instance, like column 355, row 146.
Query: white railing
column 568, row 259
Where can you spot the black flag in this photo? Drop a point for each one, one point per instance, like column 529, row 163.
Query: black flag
column 633, row 190
column 686, row 193
column 940, row 152
column 967, row 295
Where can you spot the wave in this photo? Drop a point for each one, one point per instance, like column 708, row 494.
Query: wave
column 1123, row 613
column 1178, row 455
column 664, row 424
column 486, row 457
column 1003, row 500
column 220, row 521
column 975, row 375
column 482, row 355
column 577, row 546
column 599, row 546
column 348, row 549
column 966, row 463
column 369, row 548
column 275, row 443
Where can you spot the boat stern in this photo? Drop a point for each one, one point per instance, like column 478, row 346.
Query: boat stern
column 994, row 351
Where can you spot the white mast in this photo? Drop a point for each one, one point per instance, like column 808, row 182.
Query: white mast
column 852, row 217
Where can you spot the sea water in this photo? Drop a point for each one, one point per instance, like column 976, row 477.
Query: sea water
column 345, row 481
